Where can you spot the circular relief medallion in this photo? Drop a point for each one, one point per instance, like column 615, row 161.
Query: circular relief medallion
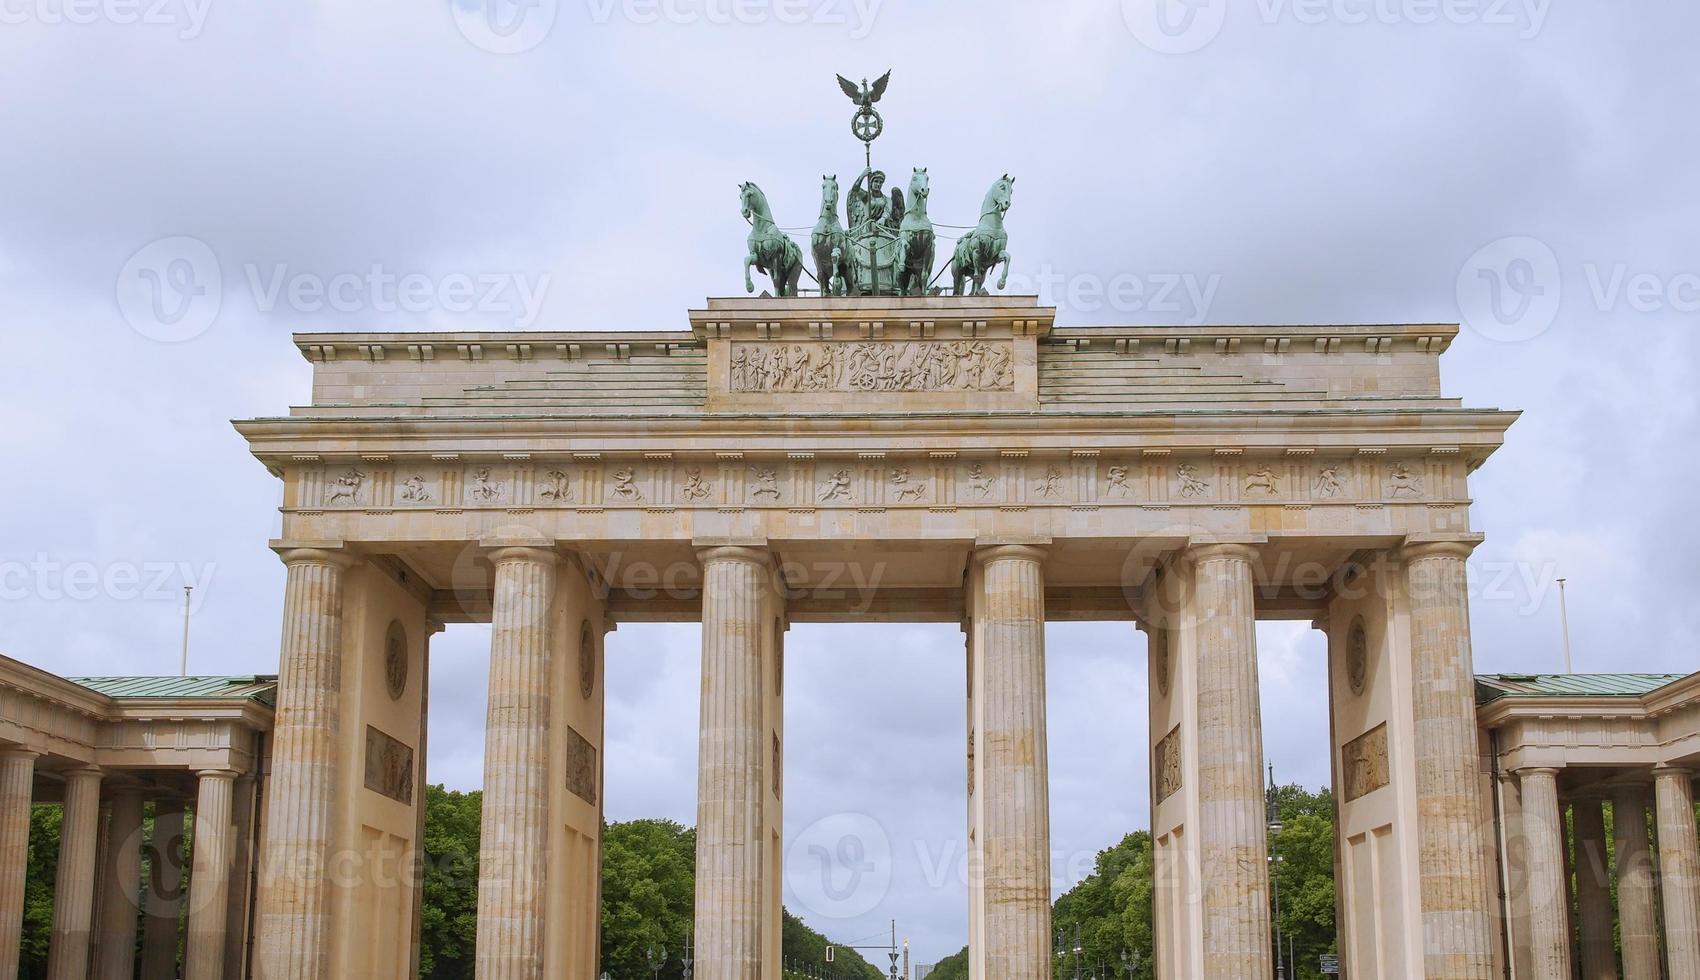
column 586, row 660
column 1357, row 657
column 395, row 661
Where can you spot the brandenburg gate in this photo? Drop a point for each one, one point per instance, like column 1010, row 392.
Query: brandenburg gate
column 955, row 459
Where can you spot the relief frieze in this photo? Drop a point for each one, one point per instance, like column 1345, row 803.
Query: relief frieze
column 876, row 479
column 964, row 365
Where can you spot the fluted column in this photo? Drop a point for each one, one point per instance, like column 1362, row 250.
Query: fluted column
column 1549, row 915
column 17, row 787
column 1593, row 891
column 292, row 940
column 1233, row 842
column 511, row 881
column 1455, row 885
column 1679, row 871
column 121, row 881
column 209, row 882
column 729, row 894
column 164, row 893
column 1015, row 817
column 1637, row 919
column 73, row 890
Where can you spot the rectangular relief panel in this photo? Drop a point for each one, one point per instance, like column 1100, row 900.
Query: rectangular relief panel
column 873, row 366
column 389, row 766
column 581, row 767
column 1363, row 763
column 1166, row 763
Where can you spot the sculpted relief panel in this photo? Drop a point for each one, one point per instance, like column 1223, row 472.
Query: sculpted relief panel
column 389, row 766
column 874, row 479
column 964, row 365
column 1364, row 765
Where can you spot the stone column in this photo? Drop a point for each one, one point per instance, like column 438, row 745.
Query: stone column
column 292, row 921
column 73, row 889
column 1516, row 873
column 1015, row 825
column 1637, row 919
column 209, row 882
column 121, row 880
column 1593, row 892
column 1455, row 886
column 164, row 893
column 511, row 880
column 1549, row 917
column 17, row 788
column 1233, row 842
column 1679, row 871
column 729, row 893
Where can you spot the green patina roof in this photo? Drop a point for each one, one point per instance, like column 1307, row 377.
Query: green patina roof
column 1492, row 687
column 262, row 687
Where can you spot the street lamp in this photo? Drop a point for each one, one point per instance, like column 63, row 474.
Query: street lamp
column 1078, row 949
column 689, row 955
column 656, row 960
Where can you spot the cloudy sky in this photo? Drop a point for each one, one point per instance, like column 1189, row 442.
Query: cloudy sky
column 1524, row 166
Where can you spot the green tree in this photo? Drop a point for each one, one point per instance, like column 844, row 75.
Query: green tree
column 449, row 918
column 952, row 967
column 1110, row 910
column 1304, row 873
column 805, row 949
column 648, row 892
column 38, row 890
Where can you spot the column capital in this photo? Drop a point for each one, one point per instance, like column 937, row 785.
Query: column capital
column 986, row 553
column 1537, row 772
column 1203, row 551
column 749, row 554
column 1456, row 546
column 314, row 553
column 1666, row 771
column 503, row 553
column 218, row 773
column 85, row 772
column 20, row 753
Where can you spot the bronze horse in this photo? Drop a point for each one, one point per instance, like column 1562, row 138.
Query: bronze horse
column 830, row 243
column 987, row 246
column 771, row 250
